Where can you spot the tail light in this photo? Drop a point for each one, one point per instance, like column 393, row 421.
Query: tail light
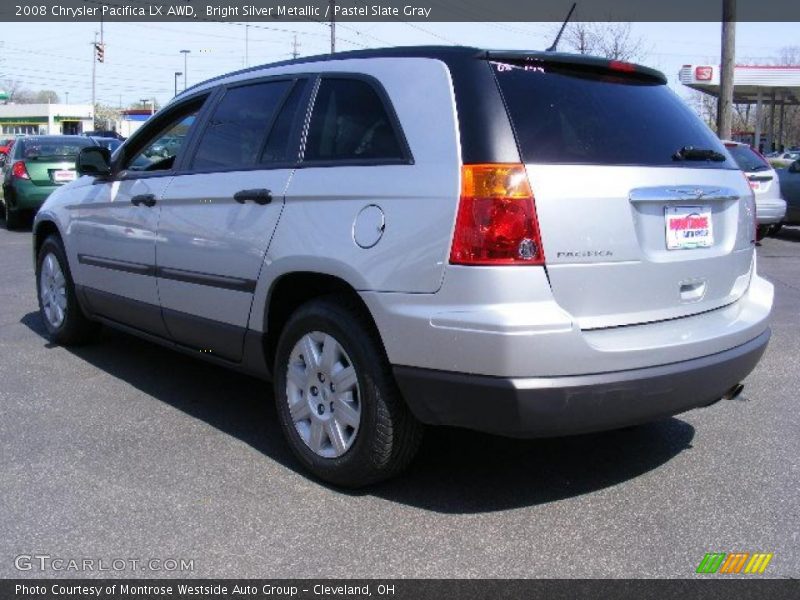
column 496, row 222
column 755, row 210
column 19, row 171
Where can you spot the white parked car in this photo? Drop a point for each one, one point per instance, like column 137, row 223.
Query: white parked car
column 784, row 159
column 770, row 206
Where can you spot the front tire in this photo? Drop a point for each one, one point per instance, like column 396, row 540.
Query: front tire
column 337, row 401
column 58, row 305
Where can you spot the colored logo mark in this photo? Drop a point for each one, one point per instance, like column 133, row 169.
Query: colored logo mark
column 735, row 562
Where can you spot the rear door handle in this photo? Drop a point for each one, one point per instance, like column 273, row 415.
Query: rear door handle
column 146, row 199
column 259, row 196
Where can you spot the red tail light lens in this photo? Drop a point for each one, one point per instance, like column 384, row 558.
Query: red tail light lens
column 19, row 171
column 618, row 65
column 496, row 222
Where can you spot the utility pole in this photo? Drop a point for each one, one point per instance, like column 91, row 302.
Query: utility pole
column 295, row 47
column 332, row 8
column 725, row 102
column 247, row 45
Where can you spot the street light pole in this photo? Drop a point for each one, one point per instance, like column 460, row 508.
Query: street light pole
column 185, row 68
column 332, row 8
column 177, row 74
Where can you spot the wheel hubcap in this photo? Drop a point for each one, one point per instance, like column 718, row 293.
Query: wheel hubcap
column 53, row 291
column 323, row 394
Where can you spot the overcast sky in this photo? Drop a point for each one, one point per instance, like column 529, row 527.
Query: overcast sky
column 141, row 58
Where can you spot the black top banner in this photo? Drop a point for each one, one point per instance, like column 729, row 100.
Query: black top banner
column 392, row 10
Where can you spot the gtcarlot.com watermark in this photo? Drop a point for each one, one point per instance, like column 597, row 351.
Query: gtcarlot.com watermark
column 48, row 563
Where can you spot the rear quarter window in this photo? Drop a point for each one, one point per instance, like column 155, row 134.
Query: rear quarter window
column 573, row 116
column 350, row 122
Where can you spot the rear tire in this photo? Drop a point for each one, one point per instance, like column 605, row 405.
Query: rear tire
column 14, row 219
column 761, row 232
column 58, row 305
column 776, row 229
column 336, row 360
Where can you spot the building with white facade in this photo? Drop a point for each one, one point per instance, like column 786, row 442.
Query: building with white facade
column 46, row 118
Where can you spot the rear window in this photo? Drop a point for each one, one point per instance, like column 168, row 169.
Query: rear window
column 747, row 159
column 574, row 116
column 61, row 149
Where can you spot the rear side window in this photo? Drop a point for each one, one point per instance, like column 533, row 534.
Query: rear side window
column 350, row 123
column 747, row 159
column 236, row 131
column 572, row 116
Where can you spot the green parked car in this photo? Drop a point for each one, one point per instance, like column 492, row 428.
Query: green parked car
column 36, row 167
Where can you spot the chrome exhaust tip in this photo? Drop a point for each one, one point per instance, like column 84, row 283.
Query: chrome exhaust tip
column 733, row 393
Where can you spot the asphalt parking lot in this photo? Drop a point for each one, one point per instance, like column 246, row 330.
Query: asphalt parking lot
column 123, row 449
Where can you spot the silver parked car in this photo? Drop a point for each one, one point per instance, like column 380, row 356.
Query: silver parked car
column 524, row 243
column 770, row 206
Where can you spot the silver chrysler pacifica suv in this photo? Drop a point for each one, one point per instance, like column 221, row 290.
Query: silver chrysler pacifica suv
column 524, row 243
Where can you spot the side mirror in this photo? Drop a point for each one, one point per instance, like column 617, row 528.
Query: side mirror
column 94, row 161
column 794, row 167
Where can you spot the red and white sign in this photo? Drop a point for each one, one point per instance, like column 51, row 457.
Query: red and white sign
column 688, row 227
column 703, row 73
column 63, row 176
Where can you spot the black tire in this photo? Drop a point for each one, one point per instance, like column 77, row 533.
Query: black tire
column 14, row 219
column 776, row 229
column 75, row 328
column 388, row 435
column 762, row 231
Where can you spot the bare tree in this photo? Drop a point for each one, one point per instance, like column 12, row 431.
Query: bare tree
column 46, row 97
column 106, row 117
column 11, row 87
column 788, row 55
column 613, row 40
column 20, row 95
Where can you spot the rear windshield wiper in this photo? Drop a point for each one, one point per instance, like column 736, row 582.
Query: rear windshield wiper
column 692, row 153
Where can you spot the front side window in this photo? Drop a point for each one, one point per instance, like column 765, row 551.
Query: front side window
column 350, row 123
column 161, row 150
column 236, row 131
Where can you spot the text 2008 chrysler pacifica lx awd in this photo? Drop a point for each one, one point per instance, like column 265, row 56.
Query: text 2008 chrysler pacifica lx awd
column 523, row 243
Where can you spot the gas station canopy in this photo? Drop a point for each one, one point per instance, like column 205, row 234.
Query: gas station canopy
column 777, row 86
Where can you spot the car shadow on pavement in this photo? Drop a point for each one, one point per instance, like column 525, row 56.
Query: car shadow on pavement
column 456, row 471
column 789, row 234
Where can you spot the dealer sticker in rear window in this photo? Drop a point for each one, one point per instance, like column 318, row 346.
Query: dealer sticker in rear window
column 688, row 227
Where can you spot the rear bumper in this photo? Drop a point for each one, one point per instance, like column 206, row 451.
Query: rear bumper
column 553, row 406
column 769, row 212
column 26, row 195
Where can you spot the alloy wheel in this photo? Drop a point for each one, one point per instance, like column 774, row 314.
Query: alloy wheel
column 323, row 394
